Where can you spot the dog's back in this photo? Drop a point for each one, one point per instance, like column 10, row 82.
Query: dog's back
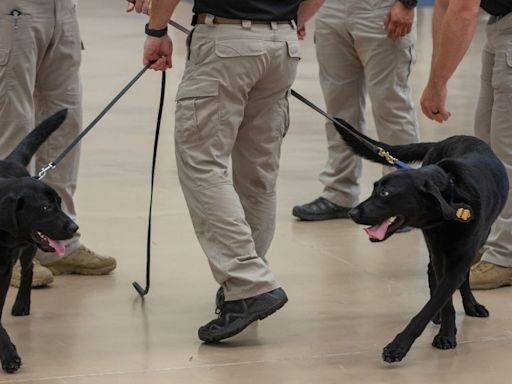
column 464, row 156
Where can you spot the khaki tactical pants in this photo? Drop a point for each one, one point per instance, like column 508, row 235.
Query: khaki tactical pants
column 232, row 104
column 355, row 58
column 493, row 124
column 39, row 62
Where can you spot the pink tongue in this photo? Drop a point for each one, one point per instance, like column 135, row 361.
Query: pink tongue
column 378, row 231
column 57, row 246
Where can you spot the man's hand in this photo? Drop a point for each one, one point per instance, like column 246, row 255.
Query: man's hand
column 433, row 102
column 159, row 50
column 301, row 33
column 398, row 21
column 139, row 6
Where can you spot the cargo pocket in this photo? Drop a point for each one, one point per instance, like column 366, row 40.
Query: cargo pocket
column 6, row 28
column 294, row 49
column 197, row 113
column 502, row 72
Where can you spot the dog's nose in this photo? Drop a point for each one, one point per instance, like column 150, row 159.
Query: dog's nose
column 73, row 227
column 354, row 213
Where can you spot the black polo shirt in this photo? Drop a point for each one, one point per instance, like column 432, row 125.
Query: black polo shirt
column 263, row 10
column 497, row 7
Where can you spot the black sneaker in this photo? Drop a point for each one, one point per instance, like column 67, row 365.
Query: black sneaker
column 220, row 299
column 235, row 316
column 320, row 209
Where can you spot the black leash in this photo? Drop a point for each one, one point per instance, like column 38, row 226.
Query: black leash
column 52, row 165
column 378, row 150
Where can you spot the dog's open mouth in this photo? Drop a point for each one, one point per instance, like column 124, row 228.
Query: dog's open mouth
column 47, row 244
column 385, row 229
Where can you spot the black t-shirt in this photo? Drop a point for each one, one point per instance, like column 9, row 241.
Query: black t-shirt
column 497, row 7
column 263, row 10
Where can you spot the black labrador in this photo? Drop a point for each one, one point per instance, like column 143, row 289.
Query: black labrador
column 31, row 217
column 454, row 198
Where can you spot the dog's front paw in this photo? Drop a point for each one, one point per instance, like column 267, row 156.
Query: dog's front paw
column 11, row 362
column 444, row 342
column 476, row 310
column 20, row 309
column 394, row 352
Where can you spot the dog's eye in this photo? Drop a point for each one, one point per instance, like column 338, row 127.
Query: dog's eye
column 384, row 193
column 46, row 207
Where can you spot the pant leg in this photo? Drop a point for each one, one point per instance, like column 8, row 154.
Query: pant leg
column 387, row 66
column 343, row 86
column 226, row 62
column 498, row 61
column 258, row 144
column 58, row 86
column 23, row 41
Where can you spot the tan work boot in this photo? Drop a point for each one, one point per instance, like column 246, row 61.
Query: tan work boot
column 83, row 261
column 485, row 275
column 41, row 276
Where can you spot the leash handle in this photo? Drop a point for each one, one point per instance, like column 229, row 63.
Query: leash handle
column 144, row 291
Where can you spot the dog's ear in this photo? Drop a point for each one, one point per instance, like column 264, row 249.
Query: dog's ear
column 458, row 212
column 9, row 205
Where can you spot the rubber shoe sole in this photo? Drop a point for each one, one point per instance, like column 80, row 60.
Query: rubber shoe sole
column 69, row 270
column 36, row 283
column 318, row 217
column 493, row 285
column 239, row 325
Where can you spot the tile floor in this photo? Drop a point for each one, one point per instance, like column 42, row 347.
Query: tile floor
column 348, row 297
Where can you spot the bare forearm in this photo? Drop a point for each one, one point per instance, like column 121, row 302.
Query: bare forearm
column 440, row 8
column 452, row 37
column 161, row 12
column 306, row 11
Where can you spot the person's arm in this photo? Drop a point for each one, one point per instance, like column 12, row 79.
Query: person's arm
column 159, row 49
column 453, row 29
column 306, row 11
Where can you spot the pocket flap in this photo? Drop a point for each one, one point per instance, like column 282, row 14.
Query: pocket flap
column 237, row 48
column 294, row 49
column 509, row 59
column 198, row 89
column 4, row 56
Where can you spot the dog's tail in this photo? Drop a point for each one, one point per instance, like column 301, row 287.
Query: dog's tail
column 31, row 143
column 407, row 153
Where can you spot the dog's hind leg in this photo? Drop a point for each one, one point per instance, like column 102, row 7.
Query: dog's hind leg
column 432, row 285
column 11, row 362
column 471, row 306
column 21, row 306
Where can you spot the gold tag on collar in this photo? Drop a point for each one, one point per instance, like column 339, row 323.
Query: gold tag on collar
column 463, row 214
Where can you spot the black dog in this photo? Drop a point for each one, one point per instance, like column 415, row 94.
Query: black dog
column 454, row 198
column 31, row 218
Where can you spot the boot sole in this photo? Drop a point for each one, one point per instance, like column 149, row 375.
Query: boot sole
column 35, row 283
column 505, row 283
column 244, row 324
column 320, row 217
column 65, row 270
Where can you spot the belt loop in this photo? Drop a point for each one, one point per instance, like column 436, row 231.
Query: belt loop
column 273, row 25
column 246, row 24
column 209, row 20
column 293, row 24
